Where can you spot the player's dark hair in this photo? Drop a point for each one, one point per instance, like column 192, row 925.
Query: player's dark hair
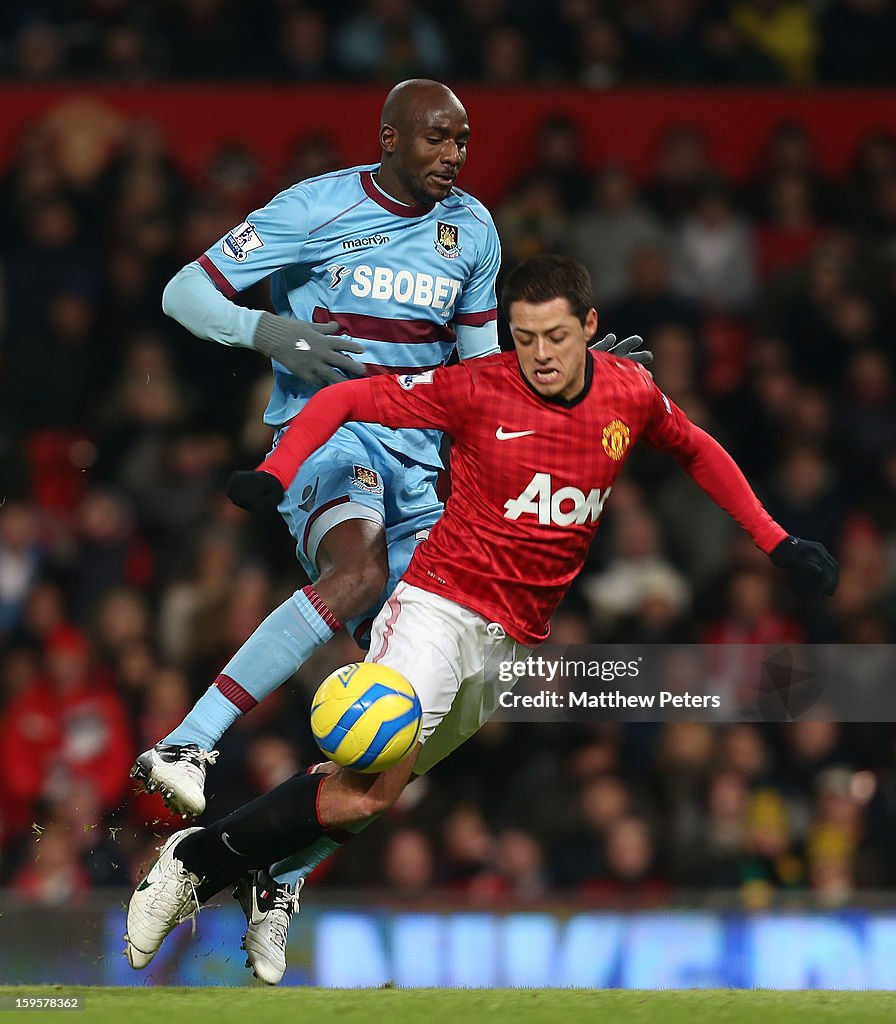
column 543, row 278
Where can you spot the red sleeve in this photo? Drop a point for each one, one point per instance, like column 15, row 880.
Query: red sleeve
column 437, row 399
column 710, row 466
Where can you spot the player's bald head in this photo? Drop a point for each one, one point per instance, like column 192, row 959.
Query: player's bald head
column 423, row 142
column 416, row 100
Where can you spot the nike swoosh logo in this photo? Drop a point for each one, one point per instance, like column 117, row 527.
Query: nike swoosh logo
column 225, row 839
column 508, row 435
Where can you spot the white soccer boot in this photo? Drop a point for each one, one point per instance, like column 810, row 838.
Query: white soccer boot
column 268, row 906
column 161, row 901
column 178, row 773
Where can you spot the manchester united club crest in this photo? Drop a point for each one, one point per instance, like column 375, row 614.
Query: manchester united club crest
column 447, row 240
column 366, row 479
column 616, row 438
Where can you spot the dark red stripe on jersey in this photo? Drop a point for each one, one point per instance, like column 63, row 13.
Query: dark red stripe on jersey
column 316, row 514
column 219, row 280
column 381, row 199
column 381, row 328
column 476, row 319
column 322, row 610
column 235, row 693
column 341, row 213
column 375, row 370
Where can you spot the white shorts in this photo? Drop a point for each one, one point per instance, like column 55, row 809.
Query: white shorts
column 441, row 647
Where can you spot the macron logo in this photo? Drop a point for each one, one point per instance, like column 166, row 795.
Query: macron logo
column 564, row 507
column 362, row 243
column 508, row 435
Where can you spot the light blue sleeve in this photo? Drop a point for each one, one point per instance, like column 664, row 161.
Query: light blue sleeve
column 473, row 342
column 268, row 240
column 478, row 295
column 192, row 300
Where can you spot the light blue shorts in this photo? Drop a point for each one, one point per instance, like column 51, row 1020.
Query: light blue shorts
column 352, row 477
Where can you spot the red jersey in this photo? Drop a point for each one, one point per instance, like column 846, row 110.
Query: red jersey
column 530, row 475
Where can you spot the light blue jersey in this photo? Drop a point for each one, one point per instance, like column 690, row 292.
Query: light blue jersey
column 398, row 278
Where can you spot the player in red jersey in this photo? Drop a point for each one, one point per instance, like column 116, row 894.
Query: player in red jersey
column 539, row 437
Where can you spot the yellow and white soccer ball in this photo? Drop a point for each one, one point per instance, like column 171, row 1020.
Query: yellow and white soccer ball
column 366, row 717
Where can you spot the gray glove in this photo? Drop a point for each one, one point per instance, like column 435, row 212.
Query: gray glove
column 307, row 350
column 628, row 348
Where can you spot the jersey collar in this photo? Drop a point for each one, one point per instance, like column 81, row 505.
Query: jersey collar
column 372, row 191
column 565, row 403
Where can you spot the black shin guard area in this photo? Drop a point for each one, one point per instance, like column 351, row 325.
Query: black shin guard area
column 256, row 835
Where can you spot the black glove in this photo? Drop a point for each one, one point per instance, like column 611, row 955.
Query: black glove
column 307, row 350
column 254, row 490
column 810, row 561
column 628, row 348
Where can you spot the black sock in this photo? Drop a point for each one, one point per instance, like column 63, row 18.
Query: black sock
column 255, row 835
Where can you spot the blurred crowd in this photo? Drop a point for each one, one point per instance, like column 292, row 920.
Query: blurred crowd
column 596, row 44
column 127, row 580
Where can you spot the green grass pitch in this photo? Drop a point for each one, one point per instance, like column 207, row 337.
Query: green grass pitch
column 435, row 1006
